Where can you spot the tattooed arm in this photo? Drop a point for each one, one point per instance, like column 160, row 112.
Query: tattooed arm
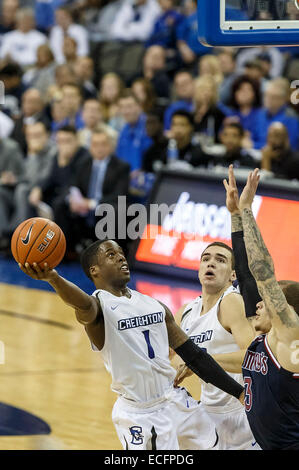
column 284, row 319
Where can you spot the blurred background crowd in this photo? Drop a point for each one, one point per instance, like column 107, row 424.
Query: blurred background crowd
column 100, row 94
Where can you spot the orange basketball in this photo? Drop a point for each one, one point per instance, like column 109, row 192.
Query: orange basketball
column 40, row 241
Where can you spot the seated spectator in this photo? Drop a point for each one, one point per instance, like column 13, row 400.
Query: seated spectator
column 277, row 155
column 245, row 104
column 145, row 92
column 11, row 76
column 163, row 33
column 84, row 73
column 208, row 116
column 111, row 88
column 231, row 137
column 9, row 9
column 60, row 176
column 154, row 70
column 20, row 45
column 135, row 20
column 33, row 110
column 65, row 26
column 157, row 152
column 276, row 108
column 45, row 13
column 276, row 58
column 64, row 74
column 92, row 117
column 42, row 75
column 188, row 44
column 183, row 85
column 13, row 204
column 133, row 139
column 69, row 50
column 98, row 180
column 11, row 169
column 72, row 102
column 227, row 62
column 182, row 131
column 209, row 65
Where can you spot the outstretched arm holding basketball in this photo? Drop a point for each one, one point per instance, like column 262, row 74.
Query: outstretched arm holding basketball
column 87, row 307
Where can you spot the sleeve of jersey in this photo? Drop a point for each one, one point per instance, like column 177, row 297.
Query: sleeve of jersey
column 247, row 283
column 203, row 365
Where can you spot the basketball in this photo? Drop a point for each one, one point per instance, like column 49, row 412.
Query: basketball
column 40, row 241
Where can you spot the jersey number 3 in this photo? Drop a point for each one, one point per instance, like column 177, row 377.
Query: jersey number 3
column 248, row 393
column 151, row 352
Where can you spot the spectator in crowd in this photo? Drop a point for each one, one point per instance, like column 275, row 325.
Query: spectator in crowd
column 135, row 20
column 11, row 169
column 9, row 10
column 99, row 26
column 210, row 65
column 188, row 44
column 42, row 75
column 84, row 73
column 164, row 30
column 154, row 70
column 182, row 131
column 65, row 26
column 6, row 125
column 227, row 62
column 111, row 88
column 45, row 13
column 64, row 74
column 231, row 136
column 14, row 208
column 72, row 100
column 69, row 49
column 93, row 121
column 208, row 116
column 61, row 174
column 157, row 152
column 245, row 104
column 145, row 92
column 133, row 139
column 11, row 77
column 275, row 57
column 20, row 45
column 98, row 180
column 276, row 108
column 183, row 85
column 32, row 111
column 277, row 155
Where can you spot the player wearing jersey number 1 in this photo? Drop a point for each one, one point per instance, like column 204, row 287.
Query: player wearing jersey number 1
column 133, row 333
column 271, row 364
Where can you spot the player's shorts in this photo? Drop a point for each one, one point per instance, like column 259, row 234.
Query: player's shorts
column 233, row 430
column 176, row 422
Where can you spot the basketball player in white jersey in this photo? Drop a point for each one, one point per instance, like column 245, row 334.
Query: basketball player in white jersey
column 216, row 321
column 133, row 332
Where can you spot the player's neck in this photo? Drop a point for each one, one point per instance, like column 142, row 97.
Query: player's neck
column 118, row 290
column 210, row 297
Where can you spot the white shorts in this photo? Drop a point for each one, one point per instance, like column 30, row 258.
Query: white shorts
column 177, row 422
column 233, row 430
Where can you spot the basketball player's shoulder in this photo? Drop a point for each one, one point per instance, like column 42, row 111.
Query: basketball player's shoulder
column 232, row 302
column 186, row 310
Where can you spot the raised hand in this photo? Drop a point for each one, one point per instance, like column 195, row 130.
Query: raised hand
column 232, row 196
column 35, row 272
column 248, row 193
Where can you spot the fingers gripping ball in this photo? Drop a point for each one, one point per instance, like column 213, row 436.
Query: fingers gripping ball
column 40, row 241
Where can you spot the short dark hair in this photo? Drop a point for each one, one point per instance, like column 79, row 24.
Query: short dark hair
column 222, row 245
column 67, row 128
column 184, row 113
column 235, row 125
column 291, row 292
column 88, row 256
column 256, row 90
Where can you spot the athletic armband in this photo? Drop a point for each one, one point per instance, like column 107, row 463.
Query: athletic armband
column 203, row 365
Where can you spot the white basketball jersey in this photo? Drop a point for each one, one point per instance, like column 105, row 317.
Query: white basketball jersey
column 207, row 332
column 136, row 349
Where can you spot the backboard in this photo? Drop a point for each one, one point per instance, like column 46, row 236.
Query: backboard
column 248, row 22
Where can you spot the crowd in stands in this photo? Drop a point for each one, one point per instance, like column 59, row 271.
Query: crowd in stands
column 101, row 93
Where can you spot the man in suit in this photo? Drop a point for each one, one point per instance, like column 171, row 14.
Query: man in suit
column 98, row 180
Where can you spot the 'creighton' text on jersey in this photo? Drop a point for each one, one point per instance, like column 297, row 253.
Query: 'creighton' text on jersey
column 136, row 347
column 204, row 336
column 145, row 320
column 271, row 398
